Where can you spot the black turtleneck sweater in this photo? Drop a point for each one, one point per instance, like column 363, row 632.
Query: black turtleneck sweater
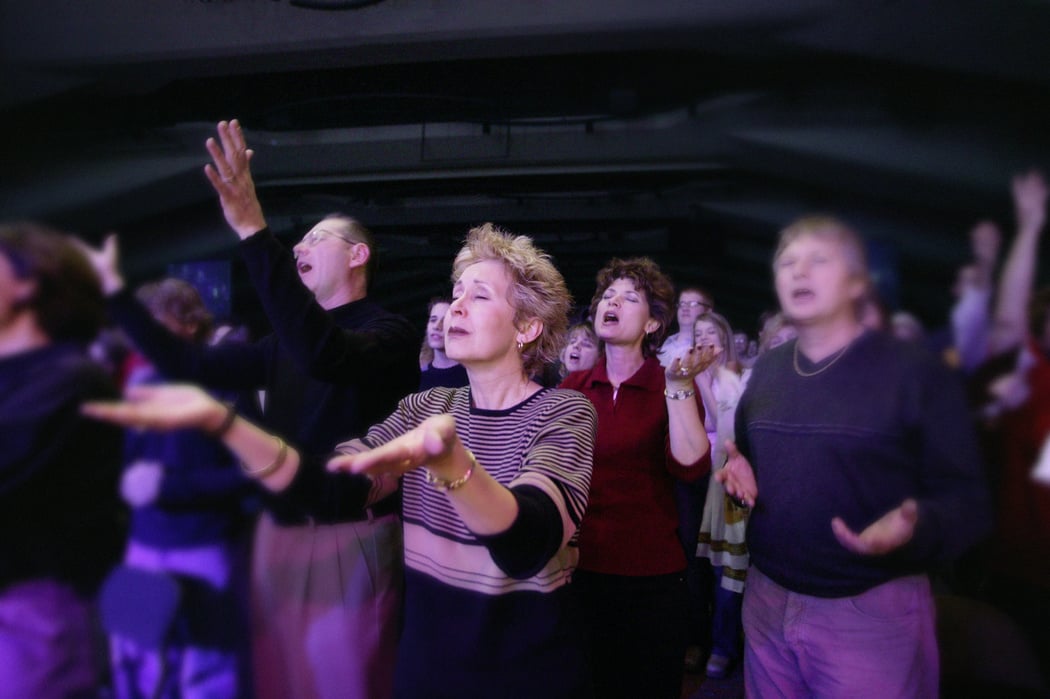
column 327, row 375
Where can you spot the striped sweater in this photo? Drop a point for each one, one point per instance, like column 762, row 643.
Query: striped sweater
column 496, row 608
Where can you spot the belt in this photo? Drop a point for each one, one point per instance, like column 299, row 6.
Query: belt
column 386, row 506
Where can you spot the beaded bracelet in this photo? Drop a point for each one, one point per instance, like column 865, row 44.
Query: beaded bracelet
column 680, row 394
column 282, row 454
column 445, row 485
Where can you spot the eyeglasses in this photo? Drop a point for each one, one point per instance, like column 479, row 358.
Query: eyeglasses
column 693, row 304
column 315, row 236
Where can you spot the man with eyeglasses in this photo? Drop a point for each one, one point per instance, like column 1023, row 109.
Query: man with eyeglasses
column 692, row 303
column 326, row 572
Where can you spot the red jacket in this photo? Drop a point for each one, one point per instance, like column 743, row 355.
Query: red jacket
column 630, row 524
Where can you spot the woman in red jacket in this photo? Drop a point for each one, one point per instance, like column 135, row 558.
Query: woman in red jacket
column 650, row 432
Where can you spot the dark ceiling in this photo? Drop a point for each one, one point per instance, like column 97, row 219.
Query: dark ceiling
column 690, row 131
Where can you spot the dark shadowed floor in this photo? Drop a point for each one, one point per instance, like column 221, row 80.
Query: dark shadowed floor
column 697, row 686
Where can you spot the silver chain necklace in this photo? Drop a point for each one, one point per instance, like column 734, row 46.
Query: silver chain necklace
column 838, row 355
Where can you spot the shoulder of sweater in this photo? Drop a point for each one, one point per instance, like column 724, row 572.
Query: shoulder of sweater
column 367, row 311
column 440, row 398
column 888, row 351
column 49, row 380
column 567, row 400
column 67, row 363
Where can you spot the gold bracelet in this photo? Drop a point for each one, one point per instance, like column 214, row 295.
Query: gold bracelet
column 680, row 394
column 227, row 422
column 445, row 485
column 282, row 454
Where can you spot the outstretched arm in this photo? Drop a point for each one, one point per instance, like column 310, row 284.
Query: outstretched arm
column 485, row 506
column 172, row 407
column 1018, row 276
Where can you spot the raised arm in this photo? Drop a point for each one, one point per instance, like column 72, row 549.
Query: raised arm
column 971, row 318
column 230, row 365
column 320, row 347
column 263, row 456
column 1018, row 276
column 688, row 438
column 231, row 176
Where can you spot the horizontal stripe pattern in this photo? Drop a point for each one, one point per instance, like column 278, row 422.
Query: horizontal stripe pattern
column 470, row 567
column 546, row 441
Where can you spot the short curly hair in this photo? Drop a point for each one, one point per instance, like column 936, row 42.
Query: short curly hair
column 659, row 293
column 538, row 289
column 67, row 300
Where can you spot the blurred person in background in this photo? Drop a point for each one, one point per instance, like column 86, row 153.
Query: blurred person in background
column 856, row 453
column 1018, row 417
column 185, row 491
column 723, row 527
column 690, row 302
column 581, row 350
column 776, row 330
column 61, row 520
column 440, row 370
column 972, row 311
column 742, row 349
column 907, row 327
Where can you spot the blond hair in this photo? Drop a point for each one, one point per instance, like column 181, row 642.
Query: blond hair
column 537, row 291
column 831, row 228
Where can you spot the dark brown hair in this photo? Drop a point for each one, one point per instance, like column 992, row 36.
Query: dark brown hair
column 356, row 231
column 67, row 299
column 659, row 293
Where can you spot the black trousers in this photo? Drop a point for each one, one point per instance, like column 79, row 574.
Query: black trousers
column 636, row 633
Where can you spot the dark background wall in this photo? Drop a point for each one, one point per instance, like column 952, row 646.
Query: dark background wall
column 688, row 131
